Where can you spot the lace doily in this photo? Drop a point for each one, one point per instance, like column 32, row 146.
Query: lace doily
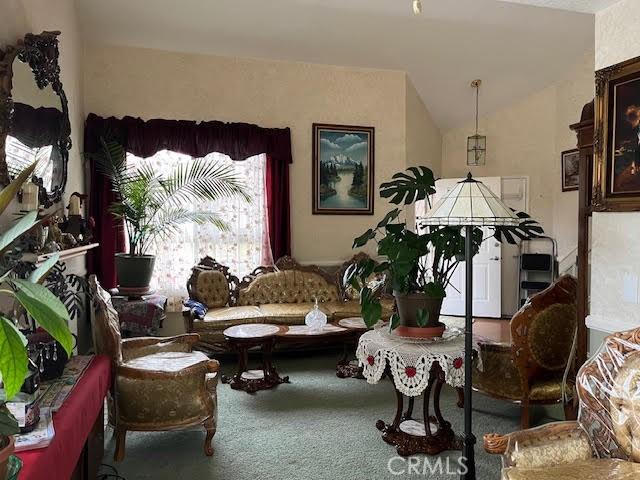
column 410, row 359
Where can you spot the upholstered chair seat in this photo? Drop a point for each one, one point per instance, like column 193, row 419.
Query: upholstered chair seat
column 159, row 383
column 351, row 308
column 500, row 378
column 592, row 469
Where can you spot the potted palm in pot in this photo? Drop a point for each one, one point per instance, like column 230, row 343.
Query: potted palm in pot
column 418, row 266
column 38, row 301
column 152, row 206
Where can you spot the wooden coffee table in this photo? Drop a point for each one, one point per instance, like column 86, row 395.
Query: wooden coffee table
column 243, row 337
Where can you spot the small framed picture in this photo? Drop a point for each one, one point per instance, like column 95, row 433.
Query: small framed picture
column 570, row 170
column 343, row 169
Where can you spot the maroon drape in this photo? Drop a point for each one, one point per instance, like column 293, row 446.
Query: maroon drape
column 144, row 138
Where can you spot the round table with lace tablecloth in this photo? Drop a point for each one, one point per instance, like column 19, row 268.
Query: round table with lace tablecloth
column 416, row 367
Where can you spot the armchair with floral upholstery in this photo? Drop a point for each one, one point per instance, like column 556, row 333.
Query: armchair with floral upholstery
column 159, row 384
column 604, row 443
column 537, row 367
column 282, row 294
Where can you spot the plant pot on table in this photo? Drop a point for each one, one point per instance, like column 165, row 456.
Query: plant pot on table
column 7, row 447
column 409, row 307
column 134, row 272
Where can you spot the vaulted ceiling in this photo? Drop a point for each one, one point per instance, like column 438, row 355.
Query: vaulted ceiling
column 514, row 48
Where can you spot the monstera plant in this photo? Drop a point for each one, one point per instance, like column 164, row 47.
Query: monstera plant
column 44, row 307
column 418, row 266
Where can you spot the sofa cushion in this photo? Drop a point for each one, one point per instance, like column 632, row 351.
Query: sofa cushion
column 221, row 318
column 592, row 469
column 166, row 361
column 288, row 313
column 288, row 286
column 212, row 288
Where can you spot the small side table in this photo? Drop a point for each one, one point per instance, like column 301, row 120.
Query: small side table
column 417, row 368
column 140, row 315
column 348, row 366
column 243, row 337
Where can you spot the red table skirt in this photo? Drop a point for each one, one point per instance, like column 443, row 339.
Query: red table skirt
column 72, row 424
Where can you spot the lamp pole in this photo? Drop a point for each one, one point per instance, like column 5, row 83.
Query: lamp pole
column 469, row 439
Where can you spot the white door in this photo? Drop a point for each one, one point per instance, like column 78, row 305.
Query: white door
column 487, row 283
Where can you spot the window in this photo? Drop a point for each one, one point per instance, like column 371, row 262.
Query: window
column 242, row 248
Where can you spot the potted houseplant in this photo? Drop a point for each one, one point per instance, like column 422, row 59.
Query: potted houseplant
column 418, row 266
column 152, row 206
column 44, row 307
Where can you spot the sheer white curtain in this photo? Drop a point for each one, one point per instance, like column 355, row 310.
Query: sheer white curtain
column 242, row 248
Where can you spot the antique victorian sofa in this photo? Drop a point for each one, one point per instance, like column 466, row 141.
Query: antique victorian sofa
column 604, row 443
column 158, row 384
column 282, row 294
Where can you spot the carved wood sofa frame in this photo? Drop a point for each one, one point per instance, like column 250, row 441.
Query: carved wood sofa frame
column 236, row 286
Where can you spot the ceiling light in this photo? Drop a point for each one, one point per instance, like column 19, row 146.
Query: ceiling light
column 417, row 7
column 476, row 144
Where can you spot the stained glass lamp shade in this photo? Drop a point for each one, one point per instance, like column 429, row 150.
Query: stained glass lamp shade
column 470, row 204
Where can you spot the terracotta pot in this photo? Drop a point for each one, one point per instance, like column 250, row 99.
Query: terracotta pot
column 7, row 449
column 408, row 306
column 134, row 271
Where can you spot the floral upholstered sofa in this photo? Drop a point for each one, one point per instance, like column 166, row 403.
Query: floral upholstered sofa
column 282, row 294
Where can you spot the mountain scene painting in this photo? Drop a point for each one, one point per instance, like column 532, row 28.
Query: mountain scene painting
column 343, row 169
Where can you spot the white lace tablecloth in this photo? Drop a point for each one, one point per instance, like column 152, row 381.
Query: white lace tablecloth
column 410, row 359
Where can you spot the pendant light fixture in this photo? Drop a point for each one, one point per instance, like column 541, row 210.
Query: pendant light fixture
column 476, row 144
column 417, row 7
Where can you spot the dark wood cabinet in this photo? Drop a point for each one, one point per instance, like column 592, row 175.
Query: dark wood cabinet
column 585, row 132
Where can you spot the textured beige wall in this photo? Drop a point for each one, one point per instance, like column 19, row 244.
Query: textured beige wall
column 156, row 84
column 423, row 140
column 527, row 138
column 614, row 235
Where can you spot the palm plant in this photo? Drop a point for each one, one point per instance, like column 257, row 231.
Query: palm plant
column 152, row 206
column 42, row 305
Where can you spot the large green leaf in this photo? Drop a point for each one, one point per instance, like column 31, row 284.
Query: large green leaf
column 13, row 357
column 8, row 423
column 42, row 271
column 409, row 188
column 46, row 309
column 26, row 223
column 9, row 192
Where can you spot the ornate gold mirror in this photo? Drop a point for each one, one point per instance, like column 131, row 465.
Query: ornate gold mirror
column 34, row 115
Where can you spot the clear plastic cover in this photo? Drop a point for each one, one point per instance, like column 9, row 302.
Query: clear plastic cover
column 605, row 441
column 609, row 393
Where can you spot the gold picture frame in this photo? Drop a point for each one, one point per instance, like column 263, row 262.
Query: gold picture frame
column 616, row 171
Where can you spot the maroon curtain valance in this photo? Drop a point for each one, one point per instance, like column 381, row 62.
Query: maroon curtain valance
column 238, row 140
column 197, row 139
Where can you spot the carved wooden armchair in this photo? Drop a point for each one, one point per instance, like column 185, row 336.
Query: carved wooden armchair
column 536, row 367
column 604, row 443
column 159, row 384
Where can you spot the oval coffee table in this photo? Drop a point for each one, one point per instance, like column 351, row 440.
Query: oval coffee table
column 243, row 337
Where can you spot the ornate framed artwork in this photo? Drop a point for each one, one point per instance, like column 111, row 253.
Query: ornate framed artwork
column 343, row 169
column 616, row 176
column 570, row 170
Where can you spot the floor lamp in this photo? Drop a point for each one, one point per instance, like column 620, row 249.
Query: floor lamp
column 469, row 204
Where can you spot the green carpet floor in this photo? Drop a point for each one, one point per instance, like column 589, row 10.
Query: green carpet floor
column 319, row 427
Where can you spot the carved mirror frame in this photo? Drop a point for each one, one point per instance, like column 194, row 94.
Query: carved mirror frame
column 41, row 53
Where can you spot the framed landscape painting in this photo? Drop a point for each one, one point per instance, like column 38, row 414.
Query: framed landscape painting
column 343, row 169
column 617, row 142
column 570, row 170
